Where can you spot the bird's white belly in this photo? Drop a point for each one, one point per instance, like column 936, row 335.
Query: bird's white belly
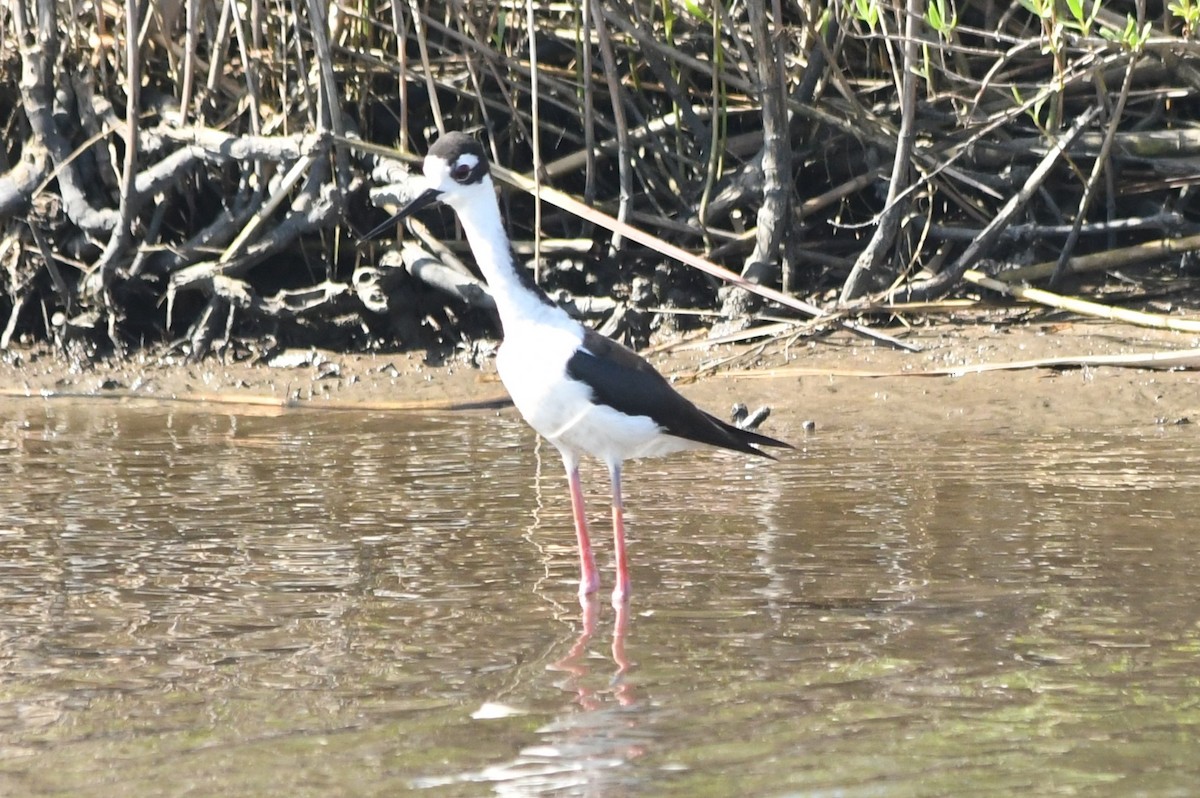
column 562, row 410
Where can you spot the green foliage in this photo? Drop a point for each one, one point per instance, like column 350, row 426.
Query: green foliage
column 1082, row 20
column 1188, row 12
column 1042, row 9
column 1131, row 37
column 500, row 31
column 865, row 11
column 940, row 19
column 1052, row 27
column 696, row 11
column 1035, row 109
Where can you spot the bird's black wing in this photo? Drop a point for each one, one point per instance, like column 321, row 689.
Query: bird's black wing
column 623, row 380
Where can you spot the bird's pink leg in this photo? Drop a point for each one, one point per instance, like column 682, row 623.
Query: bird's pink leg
column 589, row 580
column 621, row 591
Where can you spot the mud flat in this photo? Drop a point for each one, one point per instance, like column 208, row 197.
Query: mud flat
column 1020, row 377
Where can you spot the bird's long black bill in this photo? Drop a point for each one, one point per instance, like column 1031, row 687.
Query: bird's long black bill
column 426, row 197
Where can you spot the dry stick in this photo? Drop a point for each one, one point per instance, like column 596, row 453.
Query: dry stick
column 1083, row 307
column 60, row 284
column 19, row 299
column 38, row 63
column 438, row 247
column 762, row 264
column 192, row 37
column 1104, row 261
column 431, row 270
column 307, row 93
column 122, row 235
column 1171, row 359
column 133, row 72
column 1089, row 190
column 18, row 184
column 714, row 161
column 535, row 141
column 242, row 148
column 282, row 192
column 423, row 48
column 245, row 47
column 330, row 117
column 624, row 156
column 258, row 400
column 154, row 179
column 589, row 110
column 218, row 47
column 1143, row 144
column 400, row 27
column 889, row 219
column 1163, row 221
column 984, row 241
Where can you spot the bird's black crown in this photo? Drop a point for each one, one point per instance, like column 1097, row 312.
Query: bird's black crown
column 451, row 148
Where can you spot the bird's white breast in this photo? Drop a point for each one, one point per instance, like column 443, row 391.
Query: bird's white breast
column 533, row 363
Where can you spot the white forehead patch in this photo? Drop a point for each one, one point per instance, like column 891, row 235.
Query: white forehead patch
column 437, row 170
column 468, row 159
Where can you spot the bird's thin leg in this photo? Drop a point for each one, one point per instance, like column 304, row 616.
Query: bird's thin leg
column 589, row 579
column 621, row 591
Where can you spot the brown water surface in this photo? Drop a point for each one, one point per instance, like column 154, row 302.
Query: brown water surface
column 366, row 604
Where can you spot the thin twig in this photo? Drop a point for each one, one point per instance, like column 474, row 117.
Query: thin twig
column 1098, row 167
column 1083, row 307
column 616, row 97
column 888, row 223
column 1106, row 260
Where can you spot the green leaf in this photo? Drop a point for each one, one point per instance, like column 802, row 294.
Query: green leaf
column 1043, row 9
column 868, row 12
column 696, row 11
column 935, row 17
column 1145, row 35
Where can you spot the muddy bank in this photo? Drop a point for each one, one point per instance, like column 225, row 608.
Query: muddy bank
column 836, row 382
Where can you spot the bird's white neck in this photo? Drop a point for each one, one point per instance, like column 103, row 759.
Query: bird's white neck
column 516, row 296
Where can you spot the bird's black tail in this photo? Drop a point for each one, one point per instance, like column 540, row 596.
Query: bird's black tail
column 744, row 440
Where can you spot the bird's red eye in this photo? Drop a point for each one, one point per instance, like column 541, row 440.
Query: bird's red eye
column 461, row 172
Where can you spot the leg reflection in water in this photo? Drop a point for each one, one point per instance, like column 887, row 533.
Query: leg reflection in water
column 575, row 661
column 588, row 745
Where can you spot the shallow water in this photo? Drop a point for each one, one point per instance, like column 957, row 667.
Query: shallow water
column 344, row 603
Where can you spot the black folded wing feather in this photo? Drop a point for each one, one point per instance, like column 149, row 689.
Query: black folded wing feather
column 623, row 380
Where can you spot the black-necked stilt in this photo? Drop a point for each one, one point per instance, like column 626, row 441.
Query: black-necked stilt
column 584, row 393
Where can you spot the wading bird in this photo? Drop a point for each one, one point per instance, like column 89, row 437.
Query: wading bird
column 581, row 391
